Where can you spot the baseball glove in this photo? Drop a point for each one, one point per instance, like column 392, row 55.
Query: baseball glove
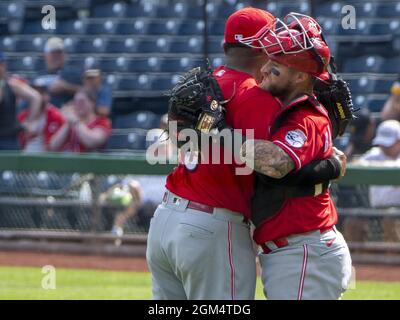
column 196, row 103
column 335, row 96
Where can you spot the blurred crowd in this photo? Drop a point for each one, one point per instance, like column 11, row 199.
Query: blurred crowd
column 62, row 109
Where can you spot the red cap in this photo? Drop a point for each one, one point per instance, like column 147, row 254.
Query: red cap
column 245, row 23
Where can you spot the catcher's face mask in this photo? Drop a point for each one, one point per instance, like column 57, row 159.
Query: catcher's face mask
column 295, row 42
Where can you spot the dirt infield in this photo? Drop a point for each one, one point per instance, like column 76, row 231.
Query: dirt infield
column 10, row 258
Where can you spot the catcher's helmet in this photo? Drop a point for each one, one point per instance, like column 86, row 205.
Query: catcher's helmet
column 295, row 42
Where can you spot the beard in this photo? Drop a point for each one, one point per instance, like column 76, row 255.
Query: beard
column 279, row 92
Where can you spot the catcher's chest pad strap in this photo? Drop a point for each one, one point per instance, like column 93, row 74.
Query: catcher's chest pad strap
column 304, row 101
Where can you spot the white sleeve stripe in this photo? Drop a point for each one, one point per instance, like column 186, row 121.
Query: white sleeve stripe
column 290, row 150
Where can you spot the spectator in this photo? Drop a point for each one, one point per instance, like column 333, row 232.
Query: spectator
column 62, row 83
column 391, row 109
column 362, row 130
column 44, row 127
column 93, row 81
column 387, row 153
column 83, row 130
column 127, row 193
column 12, row 89
column 158, row 142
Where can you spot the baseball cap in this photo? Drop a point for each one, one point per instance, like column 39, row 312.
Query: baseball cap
column 245, row 23
column 54, row 44
column 388, row 133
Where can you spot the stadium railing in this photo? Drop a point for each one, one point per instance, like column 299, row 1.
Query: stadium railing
column 52, row 202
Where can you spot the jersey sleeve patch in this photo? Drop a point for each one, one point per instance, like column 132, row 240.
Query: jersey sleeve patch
column 296, row 138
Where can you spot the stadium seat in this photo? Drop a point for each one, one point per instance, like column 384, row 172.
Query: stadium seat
column 30, row 45
column 216, row 27
column 177, row 10
column 362, row 85
column 137, row 83
column 163, row 83
column 191, row 27
column 113, row 9
column 363, row 28
column 365, row 9
column 180, row 64
column 35, row 27
column 283, row 9
column 116, row 64
column 388, row 10
column 154, row 45
column 328, row 9
column 168, row 27
column 138, row 26
column 143, row 65
column 22, row 64
column 329, row 26
column 128, row 45
column 13, row 9
column 140, row 119
column 92, row 45
column 100, row 28
column 225, row 9
column 139, row 10
column 191, row 45
column 383, row 86
column 391, row 65
column 7, row 44
column 215, row 45
column 71, row 27
column 363, row 64
column 376, row 104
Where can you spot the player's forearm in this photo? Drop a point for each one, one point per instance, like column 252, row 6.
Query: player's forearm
column 267, row 158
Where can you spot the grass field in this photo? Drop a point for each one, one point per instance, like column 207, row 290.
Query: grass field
column 25, row 283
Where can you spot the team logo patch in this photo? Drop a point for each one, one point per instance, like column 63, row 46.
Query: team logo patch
column 296, row 138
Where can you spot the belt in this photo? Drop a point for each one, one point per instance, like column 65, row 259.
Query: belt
column 284, row 242
column 193, row 205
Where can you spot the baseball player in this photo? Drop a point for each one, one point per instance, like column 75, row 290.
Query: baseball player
column 304, row 256
column 199, row 244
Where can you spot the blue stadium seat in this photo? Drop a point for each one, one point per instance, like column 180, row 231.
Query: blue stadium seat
column 30, row 45
column 128, row 45
column 35, row 27
column 193, row 12
column 365, row 10
column 362, row 85
column 388, row 10
column 180, row 64
column 138, row 83
column 328, row 9
column 363, row 27
column 363, row 64
column 99, row 28
column 23, row 64
column 282, row 9
column 191, row 45
column 92, row 45
column 391, row 65
column 7, row 44
column 191, row 27
column 137, row 26
column 168, row 27
column 216, row 27
column 137, row 10
column 77, row 64
column 143, row 65
column 13, row 9
column 71, row 27
column 225, row 10
column 163, row 83
column 376, row 104
column 116, row 64
column 383, row 86
column 140, row 119
column 113, row 9
column 151, row 45
column 215, row 45
column 177, row 10
column 329, row 26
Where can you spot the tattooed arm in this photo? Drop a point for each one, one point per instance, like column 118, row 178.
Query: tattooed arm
column 267, row 158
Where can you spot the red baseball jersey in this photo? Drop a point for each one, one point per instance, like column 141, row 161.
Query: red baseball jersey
column 305, row 135
column 54, row 121
column 218, row 185
column 73, row 144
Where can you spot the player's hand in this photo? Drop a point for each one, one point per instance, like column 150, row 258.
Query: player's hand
column 341, row 157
